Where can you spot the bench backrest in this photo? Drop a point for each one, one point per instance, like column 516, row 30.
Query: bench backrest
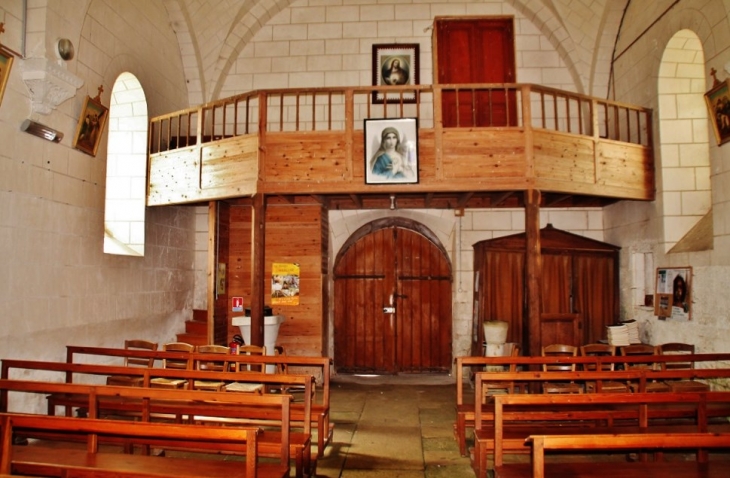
column 96, row 428
column 641, row 441
column 556, row 407
column 527, row 363
column 308, row 365
column 273, row 410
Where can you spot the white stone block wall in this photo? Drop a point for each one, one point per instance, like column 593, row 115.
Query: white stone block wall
column 57, row 286
column 640, row 228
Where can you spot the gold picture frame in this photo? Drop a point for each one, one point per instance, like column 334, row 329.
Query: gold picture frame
column 91, row 126
column 395, row 64
column 6, row 63
column 718, row 107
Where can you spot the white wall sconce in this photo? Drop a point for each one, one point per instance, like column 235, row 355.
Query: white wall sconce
column 41, row 130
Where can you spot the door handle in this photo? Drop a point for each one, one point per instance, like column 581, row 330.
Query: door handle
column 389, row 310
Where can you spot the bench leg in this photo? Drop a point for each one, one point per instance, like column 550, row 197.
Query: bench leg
column 460, row 432
column 480, row 458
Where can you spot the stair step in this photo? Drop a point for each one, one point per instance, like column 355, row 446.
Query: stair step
column 196, row 327
column 192, row 339
column 200, row 315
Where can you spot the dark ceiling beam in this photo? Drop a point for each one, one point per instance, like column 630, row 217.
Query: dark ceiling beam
column 462, row 200
column 556, row 200
column 322, row 200
column 427, row 200
column 500, row 198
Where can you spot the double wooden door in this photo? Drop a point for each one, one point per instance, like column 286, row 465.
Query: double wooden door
column 392, row 303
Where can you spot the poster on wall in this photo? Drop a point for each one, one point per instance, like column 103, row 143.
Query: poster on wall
column 284, row 283
column 673, row 298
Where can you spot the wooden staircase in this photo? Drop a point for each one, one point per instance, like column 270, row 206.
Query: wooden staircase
column 196, row 330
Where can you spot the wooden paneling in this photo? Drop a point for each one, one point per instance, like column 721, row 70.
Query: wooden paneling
column 476, row 154
column 230, row 163
column 174, row 177
column 293, row 234
column 624, row 165
column 471, row 160
column 564, row 157
column 306, row 156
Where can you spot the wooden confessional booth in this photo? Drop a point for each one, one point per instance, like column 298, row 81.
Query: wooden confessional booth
column 579, row 293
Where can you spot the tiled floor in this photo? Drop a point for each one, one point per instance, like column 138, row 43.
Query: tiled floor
column 400, row 427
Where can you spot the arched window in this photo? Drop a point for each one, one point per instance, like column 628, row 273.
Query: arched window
column 126, row 170
column 684, row 185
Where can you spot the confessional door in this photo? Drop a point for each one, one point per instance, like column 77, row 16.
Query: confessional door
column 559, row 322
column 392, row 304
column 476, row 50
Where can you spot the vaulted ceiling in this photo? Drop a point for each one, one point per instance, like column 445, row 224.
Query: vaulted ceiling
column 211, row 36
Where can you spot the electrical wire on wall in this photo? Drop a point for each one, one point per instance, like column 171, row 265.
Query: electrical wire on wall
column 459, row 288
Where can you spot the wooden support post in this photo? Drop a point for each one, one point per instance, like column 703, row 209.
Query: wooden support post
column 212, row 267
column 533, row 264
column 258, row 269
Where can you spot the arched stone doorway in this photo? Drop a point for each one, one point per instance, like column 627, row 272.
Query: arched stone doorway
column 393, row 300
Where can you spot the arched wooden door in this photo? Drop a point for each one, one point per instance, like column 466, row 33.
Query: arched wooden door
column 392, row 301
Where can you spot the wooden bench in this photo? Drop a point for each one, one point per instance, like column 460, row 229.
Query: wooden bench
column 624, row 442
column 148, row 404
column 53, row 461
column 517, row 416
column 467, row 366
column 308, row 365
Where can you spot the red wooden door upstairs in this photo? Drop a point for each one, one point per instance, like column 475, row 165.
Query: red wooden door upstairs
column 476, row 51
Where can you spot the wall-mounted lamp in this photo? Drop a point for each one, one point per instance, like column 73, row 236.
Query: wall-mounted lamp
column 42, row 131
column 392, row 202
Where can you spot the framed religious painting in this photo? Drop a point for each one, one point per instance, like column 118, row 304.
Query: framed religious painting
column 90, row 126
column 718, row 107
column 391, row 151
column 395, row 64
column 6, row 63
column 673, row 293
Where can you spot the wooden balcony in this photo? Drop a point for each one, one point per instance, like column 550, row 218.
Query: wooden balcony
column 577, row 150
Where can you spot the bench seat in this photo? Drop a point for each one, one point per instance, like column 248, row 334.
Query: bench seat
column 63, row 461
column 54, row 461
column 617, row 444
column 663, row 469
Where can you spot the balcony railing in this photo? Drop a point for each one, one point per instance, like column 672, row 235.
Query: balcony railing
column 435, row 107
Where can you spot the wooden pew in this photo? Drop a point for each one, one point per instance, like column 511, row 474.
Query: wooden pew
column 51, row 461
column 467, row 366
column 318, row 366
column 624, row 442
column 517, row 416
column 221, row 407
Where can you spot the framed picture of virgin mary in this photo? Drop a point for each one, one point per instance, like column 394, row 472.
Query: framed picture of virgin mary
column 391, row 151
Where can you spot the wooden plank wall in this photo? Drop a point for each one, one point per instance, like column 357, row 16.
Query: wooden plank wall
column 294, row 233
column 471, row 159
